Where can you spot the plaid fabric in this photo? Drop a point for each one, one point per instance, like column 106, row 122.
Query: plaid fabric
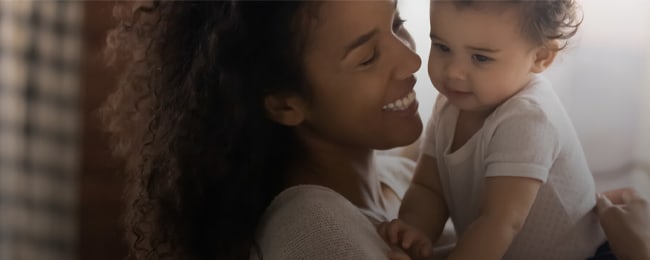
column 39, row 122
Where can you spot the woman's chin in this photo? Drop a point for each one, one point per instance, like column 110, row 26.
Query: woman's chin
column 403, row 136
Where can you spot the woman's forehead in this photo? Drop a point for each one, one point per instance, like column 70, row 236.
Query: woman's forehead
column 338, row 23
column 350, row 13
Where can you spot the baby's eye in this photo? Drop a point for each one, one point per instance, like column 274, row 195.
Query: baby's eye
column 480, row 58
column 442, row 47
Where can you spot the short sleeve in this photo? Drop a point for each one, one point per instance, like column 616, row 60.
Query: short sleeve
column 525, row 143
column 316, row 223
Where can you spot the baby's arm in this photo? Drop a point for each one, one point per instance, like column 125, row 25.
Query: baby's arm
column 424, row 206
column 503, row 212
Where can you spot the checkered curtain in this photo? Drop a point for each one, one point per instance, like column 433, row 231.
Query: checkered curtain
column 39, row 125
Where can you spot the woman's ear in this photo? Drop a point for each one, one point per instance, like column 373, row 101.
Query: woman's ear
column 544, row 56
column 285, row 109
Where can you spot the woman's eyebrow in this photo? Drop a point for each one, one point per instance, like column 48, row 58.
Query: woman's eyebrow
column 360, row 41
column 363, row 38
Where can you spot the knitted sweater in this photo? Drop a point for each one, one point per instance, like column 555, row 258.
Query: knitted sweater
column 314, row 222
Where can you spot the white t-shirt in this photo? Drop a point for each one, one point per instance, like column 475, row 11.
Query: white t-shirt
column 529, row 135
column 314, row 222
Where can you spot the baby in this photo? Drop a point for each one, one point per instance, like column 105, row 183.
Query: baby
column 500, row 155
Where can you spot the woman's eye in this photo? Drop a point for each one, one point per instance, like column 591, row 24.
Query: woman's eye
column 369, row 60
column 398, row 22
column 481, row 58
column 442, row 47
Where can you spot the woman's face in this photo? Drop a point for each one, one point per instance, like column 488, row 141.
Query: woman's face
column 360, row 63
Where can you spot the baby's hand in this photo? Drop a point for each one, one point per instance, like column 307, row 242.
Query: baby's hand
column 411, row 240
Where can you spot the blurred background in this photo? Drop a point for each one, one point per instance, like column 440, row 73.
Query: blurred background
column 61, row 191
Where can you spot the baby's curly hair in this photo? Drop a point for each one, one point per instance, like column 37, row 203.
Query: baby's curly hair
column 203, row 161
column 542, row 21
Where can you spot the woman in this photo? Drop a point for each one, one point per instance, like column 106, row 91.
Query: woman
column 226, row 105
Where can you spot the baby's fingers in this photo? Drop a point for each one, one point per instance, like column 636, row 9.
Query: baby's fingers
column 398, row 255
column 408, row 238
column 382, row 230
column 425, row 250
column 422, row 248
column 394, row 230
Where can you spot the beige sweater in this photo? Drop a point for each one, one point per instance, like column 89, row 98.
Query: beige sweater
column 314, row 222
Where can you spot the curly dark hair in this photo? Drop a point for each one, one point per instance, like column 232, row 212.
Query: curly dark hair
column 203, row 161
column 542, row 20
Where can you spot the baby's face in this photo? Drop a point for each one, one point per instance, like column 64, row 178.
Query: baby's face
column 479, row 57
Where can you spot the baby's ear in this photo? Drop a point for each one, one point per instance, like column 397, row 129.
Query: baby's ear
column 544, row 56
column 285, row 109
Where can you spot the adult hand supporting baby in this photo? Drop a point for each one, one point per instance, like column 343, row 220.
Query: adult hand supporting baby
column 625, row 218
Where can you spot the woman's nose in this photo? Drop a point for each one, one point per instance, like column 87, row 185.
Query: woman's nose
column 410, row 61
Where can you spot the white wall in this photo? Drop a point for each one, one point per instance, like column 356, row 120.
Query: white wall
column 416, row 13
